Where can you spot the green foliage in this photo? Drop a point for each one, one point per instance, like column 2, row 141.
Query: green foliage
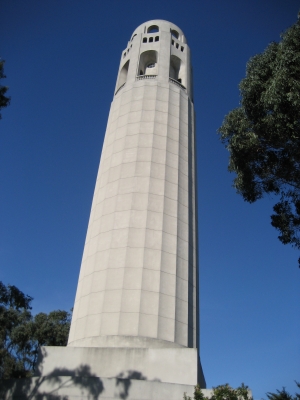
column 222, row 392
column 283, row 394
column 198, row 394
column 4, row 101
column 263, row 134
column 52, row 329
column 297, row 395
column 280, row 395
column 226, row 392
column 21, row 334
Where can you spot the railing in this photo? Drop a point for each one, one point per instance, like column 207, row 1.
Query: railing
column 177, row 83
column 140, row 77
column 120, row 88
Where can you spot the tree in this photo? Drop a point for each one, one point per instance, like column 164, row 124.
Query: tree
column 263, row 134
column 21, row 334
column 222, row 392
column 280, row 395
column 4, row 101
column 283, row 394
column 226, row 392
column 14, row 312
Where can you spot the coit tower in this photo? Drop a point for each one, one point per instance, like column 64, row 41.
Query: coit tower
column 138, row 283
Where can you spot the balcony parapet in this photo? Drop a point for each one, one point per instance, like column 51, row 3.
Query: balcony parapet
column 140, row 77
column 177, row 83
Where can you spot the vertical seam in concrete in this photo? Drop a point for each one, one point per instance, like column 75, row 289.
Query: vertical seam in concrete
column 162, row 228
column 128, row 228
column 176, row 339
column 142, row 278
column 191, row 243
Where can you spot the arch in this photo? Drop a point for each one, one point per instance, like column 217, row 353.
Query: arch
column 175, row 33
column 177, row 70
column 133, row 37
column 123, row 75
column 153, row 29
column 148, row 63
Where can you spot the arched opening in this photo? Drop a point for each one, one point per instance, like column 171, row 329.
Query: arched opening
column 133, row 37
column 123, row 75
column 148, row 63
column 177, row 70
column 153, row 29
column 175, row 33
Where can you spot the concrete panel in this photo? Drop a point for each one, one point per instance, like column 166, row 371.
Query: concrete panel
column 151, row 280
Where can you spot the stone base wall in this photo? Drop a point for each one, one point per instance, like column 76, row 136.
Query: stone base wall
column 92, row 388
column 169, row 365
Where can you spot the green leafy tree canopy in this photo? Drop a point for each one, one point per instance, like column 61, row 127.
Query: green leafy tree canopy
column 283, row 394
column 4, row 100
column 222, row 392
column 22, row 334
column 263, row 134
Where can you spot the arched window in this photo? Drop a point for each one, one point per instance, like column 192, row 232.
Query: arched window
column 153, row 29
column 123, row 75
column 144, row 40
column 175, row 33
column 156, row 38
column 150, row 39
column 177, row 70
column 148, row 63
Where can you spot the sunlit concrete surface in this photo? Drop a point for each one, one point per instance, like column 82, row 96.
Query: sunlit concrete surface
column 90, row 387
column 170, row 365
column 139, row 275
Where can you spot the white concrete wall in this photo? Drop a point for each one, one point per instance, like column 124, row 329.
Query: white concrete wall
column 91, row 387
column 171, row 365
column 138, row 279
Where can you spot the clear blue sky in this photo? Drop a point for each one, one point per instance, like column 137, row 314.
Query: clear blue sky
column 62, row 59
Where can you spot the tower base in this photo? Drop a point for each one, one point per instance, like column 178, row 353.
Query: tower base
column 169, row 365
column 110, row 373
column 92, row 388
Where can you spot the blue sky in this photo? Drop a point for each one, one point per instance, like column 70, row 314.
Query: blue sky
column 62, row 59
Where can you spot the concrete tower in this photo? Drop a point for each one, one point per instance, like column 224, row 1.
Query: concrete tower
column 136, row 307
column 138, row 284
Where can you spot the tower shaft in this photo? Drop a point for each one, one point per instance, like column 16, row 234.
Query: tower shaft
column 138, row 284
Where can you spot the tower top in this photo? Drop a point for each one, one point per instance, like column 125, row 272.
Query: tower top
column 160, row 25
column 157, row 50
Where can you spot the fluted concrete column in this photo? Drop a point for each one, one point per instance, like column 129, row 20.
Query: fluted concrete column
column 138, row 283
